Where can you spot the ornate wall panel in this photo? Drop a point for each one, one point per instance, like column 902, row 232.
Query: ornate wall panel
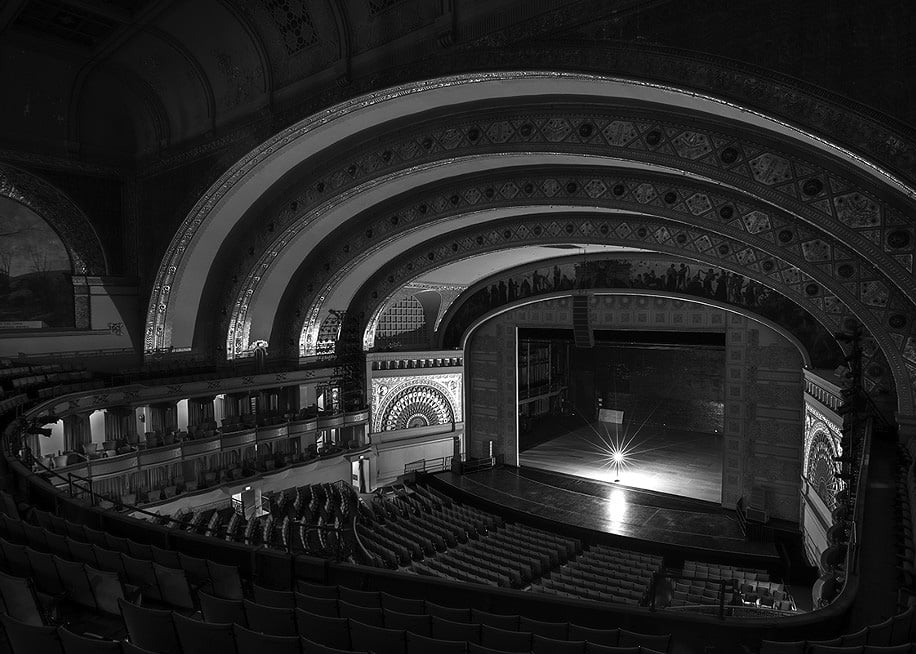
column 406, row 402
column 822, row 444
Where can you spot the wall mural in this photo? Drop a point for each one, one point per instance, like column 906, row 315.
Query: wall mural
column 415, row 401
column 662, row 274
column 35, row 282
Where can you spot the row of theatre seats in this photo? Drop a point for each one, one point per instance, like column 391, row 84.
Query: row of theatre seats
column 317, row 618
column 302, row 520
column 43, row 550
column 198, row 606
column 435, row 535
column 702, row 584
column 895, row 635
column 432, row 534
column 606, row 574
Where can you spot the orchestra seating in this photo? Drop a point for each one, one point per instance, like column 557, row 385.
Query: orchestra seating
column 606, row 574
column 703, row 584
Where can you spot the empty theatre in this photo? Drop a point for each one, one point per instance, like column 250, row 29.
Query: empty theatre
column 408, row 326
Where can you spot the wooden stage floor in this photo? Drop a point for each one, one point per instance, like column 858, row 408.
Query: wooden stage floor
column 697, row 528
column 659, row 458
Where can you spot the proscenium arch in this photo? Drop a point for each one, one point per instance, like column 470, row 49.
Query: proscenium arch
column 640, row 232
column 87, row 256
column 183, row 272
column 637, row 292
column 448, row 329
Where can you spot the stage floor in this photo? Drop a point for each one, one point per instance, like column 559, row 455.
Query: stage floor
column 699, row 528
column 661, row 459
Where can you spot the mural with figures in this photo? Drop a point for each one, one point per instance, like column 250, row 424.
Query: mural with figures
column 35, row 285
column 652, row 273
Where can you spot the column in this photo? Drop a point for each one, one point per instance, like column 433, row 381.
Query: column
column 200, row 410
column 76, row 431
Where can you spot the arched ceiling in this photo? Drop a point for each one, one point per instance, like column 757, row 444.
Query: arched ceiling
column 342, row 210
column 147, row 80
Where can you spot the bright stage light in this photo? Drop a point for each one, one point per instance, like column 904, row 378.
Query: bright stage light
column 618, row 457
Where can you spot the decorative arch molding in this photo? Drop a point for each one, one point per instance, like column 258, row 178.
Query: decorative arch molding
column 822, row 445
column 676, row 298
column 720, row 211
column 87, row 256
column 782, row 270
column 617, row 268
column 181, row 278
column 433, row 399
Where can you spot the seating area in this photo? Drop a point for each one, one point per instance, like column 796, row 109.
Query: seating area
column 895, row 635
column 60, row 556
column 429, row 533
column 41, row 381
column 605, row 574
column 326, row 618
column 703, row 584
column 313, row 519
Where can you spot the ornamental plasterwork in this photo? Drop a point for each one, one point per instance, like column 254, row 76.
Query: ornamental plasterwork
column 385, row 389
column 157, row 332
column 748, row 219
column 759, row 263
column 87, row 257
column 816, row 421
column 848, row 212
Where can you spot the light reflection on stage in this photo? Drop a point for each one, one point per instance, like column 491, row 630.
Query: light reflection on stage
column 617, row 509
column 655, row 458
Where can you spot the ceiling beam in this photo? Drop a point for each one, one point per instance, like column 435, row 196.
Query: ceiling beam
column 10, row 12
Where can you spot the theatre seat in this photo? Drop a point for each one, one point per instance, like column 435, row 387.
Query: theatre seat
column 450, row 630
column 658, row 643
column 270, row 619
column 542, row 645
column 252, row 642
column 554, row 630
column 311, row 647
column 332, row 632
column 417, row 644
column 377, row 639
column 416, row 624
column 151, row 629
column 609, row 637
column 504, row 639
column 77, row 644
column 217, row 609
column 198, row 637
column 364, row 614
column 30, row 638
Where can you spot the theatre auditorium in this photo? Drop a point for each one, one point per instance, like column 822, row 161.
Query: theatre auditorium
column 457, row 327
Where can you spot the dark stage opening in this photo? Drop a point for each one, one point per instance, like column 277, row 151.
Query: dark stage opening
column 654, row 398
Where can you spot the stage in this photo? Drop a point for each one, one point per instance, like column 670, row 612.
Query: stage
column 613, row 512
column 659, row 458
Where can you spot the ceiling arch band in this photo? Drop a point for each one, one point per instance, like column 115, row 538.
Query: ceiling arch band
column 821, row 186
